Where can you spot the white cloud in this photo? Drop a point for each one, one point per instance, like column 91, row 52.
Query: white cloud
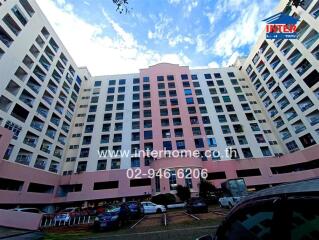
column 200, row 44
column 102, row 53
column 179, row 39
column 213, row 64
column 174, row 1
column 231, row 60
column 211, row 17
column 242, row 33
column 160, row 27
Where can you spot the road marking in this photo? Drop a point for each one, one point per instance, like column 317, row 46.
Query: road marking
column 154, row 232
column 191, row 215
column 138, row 222
column 165, row 221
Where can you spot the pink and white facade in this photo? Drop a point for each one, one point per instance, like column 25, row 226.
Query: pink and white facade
column 56, row 119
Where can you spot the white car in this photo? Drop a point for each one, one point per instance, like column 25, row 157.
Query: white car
column 228, row 202
column 150, row 207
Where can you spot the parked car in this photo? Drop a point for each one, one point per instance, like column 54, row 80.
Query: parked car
column 112, row 218
column 150, row 207
column 136, row 209
column 228, row 202
column 67, row 214
column 30, row 210
column 196, row 205
column 284, row 212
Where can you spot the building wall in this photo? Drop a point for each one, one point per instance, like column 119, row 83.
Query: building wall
column 205, row 110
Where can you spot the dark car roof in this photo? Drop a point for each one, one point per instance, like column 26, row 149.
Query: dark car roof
column 304, row 187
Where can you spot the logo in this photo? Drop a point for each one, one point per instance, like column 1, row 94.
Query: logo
column 281, row 26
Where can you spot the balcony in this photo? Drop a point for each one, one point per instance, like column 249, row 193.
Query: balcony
column 27, row 98
column 302, row 28
column 274, row 63
column 72, row 107
column 281, row 71
column 315, row 52
column 38, row 125
column 272, row 112
column 294, row 57
column 283, row 103
column 46, row 147
column 43, row 111
column 267, row 102
column 62, row 139
column 55, row 120
column 31, row 140
column 34, row 51
column 265, row 75
column 51, row 132
column 313, row 117
column 34, row 85
column 59, row 108
column 58, row 152
column 62, row 97
column 54, row 167
column 48, row 98
column 69, row 78
column 52, row 87
column 298, row 126
column 56, row 76
column 41, row 162
column 263, row 47
column 291, row 114
column 49, row 53
column 286, row 48
column 260, row 66
column 271, row 82
column 296, row 92
column 28, row 61
column 39, row 73
column 277, row 92
column 305, row 104
column 278, row 42
column 288, row 81
column 24, row 158
column 13, row 88
column 285, row 135
column 45, row 63
column 60, row 67
column 5, row 37
column 54, row 45
column 65, row 127
column 66, row 87
column 279, row 123
column 269, row 54
column 312, row 37
column 303, row 67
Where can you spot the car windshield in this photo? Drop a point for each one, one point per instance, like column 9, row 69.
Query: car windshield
column 112, row 211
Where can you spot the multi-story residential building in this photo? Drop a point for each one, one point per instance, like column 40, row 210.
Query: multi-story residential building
column 57, row 120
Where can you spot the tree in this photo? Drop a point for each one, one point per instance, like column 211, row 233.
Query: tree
column 206, row 189
column 183, row 193
column 296, row 3
column 122, row 6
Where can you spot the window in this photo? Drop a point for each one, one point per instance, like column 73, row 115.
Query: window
column 101, row 165
column 199, row 143
column 148, row 135
column 160, row 78
column 194, row 77
column 175, row 111
column 174, row 101
column 167, row 145
column 190, row 100
column 164, row 122
column 266, row 152
column 217, row 75
column 26, row 5
column 247, row 152
column 115, row 163
column 196, row 131
column 17, row 12
column 180, row 144
column 105, row 139
column 208, row 76
column 260, row 138
column 178, row 132
column 184, row 77
column 172, row 180
column 84, row 152
column 211, row 142
column 170, row 77
column 135, row 162
column 187, row 92
column 177, row 121
column 97, row 84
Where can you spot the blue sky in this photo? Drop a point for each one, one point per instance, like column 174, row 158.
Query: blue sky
column 198, row 33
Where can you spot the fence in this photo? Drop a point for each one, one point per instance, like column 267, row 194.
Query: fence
column 50, row 221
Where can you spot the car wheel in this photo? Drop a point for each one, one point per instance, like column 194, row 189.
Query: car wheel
column 159, row 210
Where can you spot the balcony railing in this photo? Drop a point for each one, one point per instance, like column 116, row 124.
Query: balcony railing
column 299, row 129
column 306, row 105
column 291, row 116
column 37, row 125
column 24, row 159
column 31, row 141
column 308, row 43
column 314, row 120
column 43, row 112
column 27, row 100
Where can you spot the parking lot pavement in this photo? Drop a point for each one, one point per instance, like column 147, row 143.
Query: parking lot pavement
column 16, row 234
column 188, row 233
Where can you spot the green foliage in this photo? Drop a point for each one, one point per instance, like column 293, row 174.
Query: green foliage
column 183, row 193
column 296, row 3
column 164, row 199
column 122, row 6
